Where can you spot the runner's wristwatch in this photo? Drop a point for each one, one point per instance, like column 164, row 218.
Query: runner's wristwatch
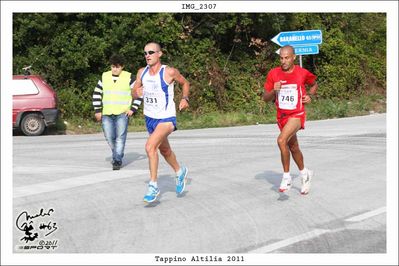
column 186, row 98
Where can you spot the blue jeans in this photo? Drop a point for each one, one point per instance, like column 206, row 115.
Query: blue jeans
column 115, row 132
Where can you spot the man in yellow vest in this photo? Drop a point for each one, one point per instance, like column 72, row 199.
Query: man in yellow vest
column 112, row 102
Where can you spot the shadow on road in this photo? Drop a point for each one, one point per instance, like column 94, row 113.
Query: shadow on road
column 274, row 178
column 132, row 157
column 166, row 183
column 129, row 158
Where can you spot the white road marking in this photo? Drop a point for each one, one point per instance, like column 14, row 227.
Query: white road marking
column 21, row 170
column 315, row 233
column 366, row 215
column 290, row 241
column 68, row 183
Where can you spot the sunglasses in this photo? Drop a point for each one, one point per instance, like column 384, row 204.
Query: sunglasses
column 149, row 52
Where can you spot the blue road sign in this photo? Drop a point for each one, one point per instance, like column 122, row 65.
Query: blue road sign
column 308, row 49
column 296, row 38
column 304, row 50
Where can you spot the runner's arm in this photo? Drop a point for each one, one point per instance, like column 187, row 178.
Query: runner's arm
column 269, row 96
column 313, row 89
column 270, row 88
column 137, row 92
column 174, row 74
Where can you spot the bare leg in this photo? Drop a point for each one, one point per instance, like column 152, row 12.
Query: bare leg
column 153, row 143
column 169, row 155
column 289, row 130
column 296, row 152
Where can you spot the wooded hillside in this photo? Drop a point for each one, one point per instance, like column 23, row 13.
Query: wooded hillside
column 225, row 56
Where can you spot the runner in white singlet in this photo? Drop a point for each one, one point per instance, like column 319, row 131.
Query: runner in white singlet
column 155, row 83
column 158, row 94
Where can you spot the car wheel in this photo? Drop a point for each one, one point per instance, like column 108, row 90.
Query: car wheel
column 32, row 125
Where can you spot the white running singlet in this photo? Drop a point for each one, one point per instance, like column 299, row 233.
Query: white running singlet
column 157, row 95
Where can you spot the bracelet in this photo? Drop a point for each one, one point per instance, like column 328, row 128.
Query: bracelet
column 186, row 98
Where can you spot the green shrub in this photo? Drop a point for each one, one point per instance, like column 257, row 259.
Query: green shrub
column 224, row 56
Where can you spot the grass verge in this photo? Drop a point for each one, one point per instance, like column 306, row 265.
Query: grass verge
column 318, row 109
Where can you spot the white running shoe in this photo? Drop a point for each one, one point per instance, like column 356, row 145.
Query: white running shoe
column 306, row 180
column 285, row 184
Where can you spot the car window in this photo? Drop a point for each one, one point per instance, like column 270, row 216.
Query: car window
column 23, row 87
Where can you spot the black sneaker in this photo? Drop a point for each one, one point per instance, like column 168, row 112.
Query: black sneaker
column 116, row 165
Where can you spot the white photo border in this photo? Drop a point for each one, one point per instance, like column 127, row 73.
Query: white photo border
column 388, row 7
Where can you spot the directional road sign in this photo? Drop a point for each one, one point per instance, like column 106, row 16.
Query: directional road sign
column 296, row 38
column 304, row 50
column 308, row 49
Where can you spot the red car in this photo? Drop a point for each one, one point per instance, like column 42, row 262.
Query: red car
column 34, row 104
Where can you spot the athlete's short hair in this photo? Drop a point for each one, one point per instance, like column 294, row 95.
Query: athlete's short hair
column 159, row 46
column 289, row 47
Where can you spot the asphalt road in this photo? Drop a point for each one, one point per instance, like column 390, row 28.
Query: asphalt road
column 231, row 203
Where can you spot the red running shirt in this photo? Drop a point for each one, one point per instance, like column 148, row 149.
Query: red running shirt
column 289, row 99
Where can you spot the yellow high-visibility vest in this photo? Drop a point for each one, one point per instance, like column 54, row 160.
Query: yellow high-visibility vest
column 117, row 96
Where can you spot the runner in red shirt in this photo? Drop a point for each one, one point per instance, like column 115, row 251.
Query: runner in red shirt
column 286, row 85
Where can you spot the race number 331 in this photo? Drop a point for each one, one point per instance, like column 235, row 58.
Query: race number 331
column 288, row 97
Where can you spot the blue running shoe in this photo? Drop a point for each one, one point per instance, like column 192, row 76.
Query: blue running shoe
column 152, row 194
column 181, row 180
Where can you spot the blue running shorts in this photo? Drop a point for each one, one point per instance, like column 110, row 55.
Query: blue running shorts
column 151, row 123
